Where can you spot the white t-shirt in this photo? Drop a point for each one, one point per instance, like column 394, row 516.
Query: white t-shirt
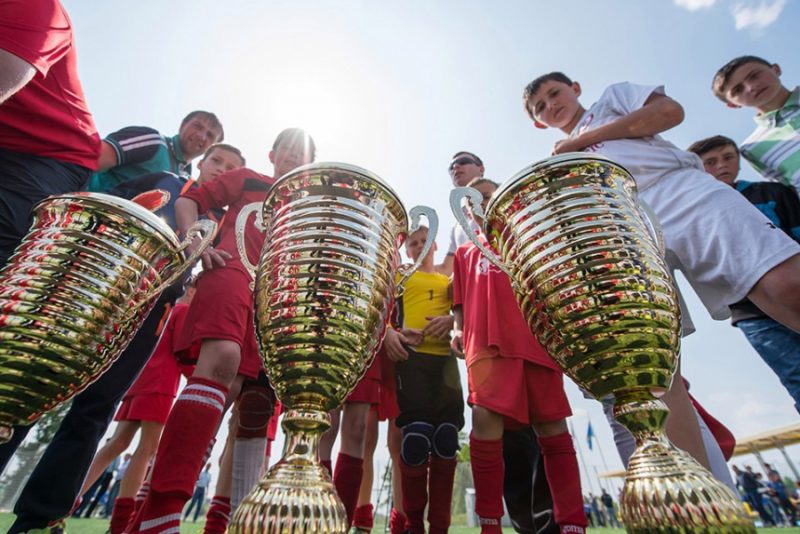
column 647, row 158
column 458, row 236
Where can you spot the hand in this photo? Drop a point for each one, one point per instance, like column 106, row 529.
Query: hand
column 210, row 257
column 393, row 343
column 439, row 326
column 413, row 336
column 575, row 144
column 456, row 344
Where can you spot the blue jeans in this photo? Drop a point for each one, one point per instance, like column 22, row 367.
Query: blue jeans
column 779, row 347
column 197, row 503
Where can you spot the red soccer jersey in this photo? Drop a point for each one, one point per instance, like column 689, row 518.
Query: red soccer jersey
column 234, row 189
column 49, row 116
column 162, row 372
column 493, row 323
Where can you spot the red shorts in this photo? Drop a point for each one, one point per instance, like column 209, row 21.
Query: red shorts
column 222, row 308
column 518, row 389
column 368, row 389
column 153, row 407
column 388, row 409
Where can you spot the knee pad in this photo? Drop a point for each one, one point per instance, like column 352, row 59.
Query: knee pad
column 255, row 406
column 416, row 444
column 445, row 441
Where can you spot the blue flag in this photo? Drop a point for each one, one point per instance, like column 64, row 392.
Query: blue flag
column 589, row 435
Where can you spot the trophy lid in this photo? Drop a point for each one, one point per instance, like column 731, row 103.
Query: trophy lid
column 341, row 170
column 570, row 158
column 120, row 206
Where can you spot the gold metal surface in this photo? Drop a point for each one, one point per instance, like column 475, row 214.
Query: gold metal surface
column 590, row 278
column 325, row 286
column 74, row 293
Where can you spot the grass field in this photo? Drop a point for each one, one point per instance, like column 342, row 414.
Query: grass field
column 99, row 526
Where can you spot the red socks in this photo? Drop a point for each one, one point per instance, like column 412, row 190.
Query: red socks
column 121, row 514
column 362, row 518
column 487, row 471
column 397, row 522
column 327, row 464
column 414, row 480
column 218, row 515
column 440, row 489
column 564, row 479
column 347, row 480
column 192, row 424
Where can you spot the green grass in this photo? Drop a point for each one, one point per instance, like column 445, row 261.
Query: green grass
column 99, row 526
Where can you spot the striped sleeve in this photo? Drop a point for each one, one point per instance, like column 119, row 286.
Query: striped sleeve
column 135, row 144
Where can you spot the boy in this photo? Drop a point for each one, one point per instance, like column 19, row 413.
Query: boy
column 138, row 150
column 774, row 147
column 219, row 330
column 777, row 345
column 511, row 379
column 703, row 221
column 428, row 394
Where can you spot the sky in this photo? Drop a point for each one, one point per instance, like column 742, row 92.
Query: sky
column 398, row 87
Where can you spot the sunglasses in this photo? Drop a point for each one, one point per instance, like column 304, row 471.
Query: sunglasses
column 463, row 160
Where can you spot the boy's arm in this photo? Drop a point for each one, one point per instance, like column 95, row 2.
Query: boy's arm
column 787, row 208
column 658, row 114
column 458, row 323
column 128, row 146
column 186, row 214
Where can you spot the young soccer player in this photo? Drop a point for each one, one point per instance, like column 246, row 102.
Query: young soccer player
column 428, row 393
column 774, row 147
column 219, row 329
column 511, row 379
column 777, row 345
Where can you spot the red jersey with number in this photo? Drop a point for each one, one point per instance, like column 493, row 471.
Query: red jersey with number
column 493, row 323
column 49, row 116
column 234, row 189
column 163, row 372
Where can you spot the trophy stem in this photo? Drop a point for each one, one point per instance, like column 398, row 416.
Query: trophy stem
column 665, row 489
column 297, row 495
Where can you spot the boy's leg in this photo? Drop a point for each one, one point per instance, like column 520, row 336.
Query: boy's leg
column 328, row 439
column 254, row 410
column 363, row 515
column 219, row 513
column 192, row 424
column 486, row 454
column 448, row 407
column 349, row 463
column 779, row 347
column 394, row 439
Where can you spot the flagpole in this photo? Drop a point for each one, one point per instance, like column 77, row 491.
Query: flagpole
column 580, row 456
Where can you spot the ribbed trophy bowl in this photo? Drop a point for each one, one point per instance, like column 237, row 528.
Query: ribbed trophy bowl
column 324, row 289
column 73, row 295
column 589, row 274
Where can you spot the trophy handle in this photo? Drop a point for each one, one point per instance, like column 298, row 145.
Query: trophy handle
column 433, row 227
column 241, row 222
column 204, row 229
column 474, row 199
column 651, row 219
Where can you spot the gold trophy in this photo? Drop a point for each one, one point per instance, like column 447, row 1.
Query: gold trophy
column 74, row 293
column 588, row 269
column 325, row 286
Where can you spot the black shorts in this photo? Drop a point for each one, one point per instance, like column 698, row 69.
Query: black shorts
column 429, row 390
column 26, row 179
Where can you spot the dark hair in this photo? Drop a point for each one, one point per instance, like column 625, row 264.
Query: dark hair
column 710, row 143
column 533, row 87
column 228, row 148
column 724, row 74
column 480, row 180
column 210, row 117
column 293, row 135
column 470, row 154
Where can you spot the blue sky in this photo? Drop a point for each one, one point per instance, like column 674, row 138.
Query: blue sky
column 398, row 87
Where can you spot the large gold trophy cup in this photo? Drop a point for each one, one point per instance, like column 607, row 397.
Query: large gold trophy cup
column 74, row 293
column 589, row 275
column 324, row 290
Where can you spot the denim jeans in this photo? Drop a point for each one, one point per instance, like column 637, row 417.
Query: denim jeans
column 779, row 347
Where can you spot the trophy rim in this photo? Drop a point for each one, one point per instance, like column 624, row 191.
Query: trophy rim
column 571, row 157
column 120, row 205
column 336, row 165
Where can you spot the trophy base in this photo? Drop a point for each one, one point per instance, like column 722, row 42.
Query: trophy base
column 291, row 499
column 5, row 433
column 666, row 491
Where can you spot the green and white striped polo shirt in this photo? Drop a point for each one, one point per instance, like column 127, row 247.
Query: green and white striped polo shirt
column 774, row 147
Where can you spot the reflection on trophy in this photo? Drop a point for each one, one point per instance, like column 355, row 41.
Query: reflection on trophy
column 324, row 289
column 74, row 293
column 588, row 270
